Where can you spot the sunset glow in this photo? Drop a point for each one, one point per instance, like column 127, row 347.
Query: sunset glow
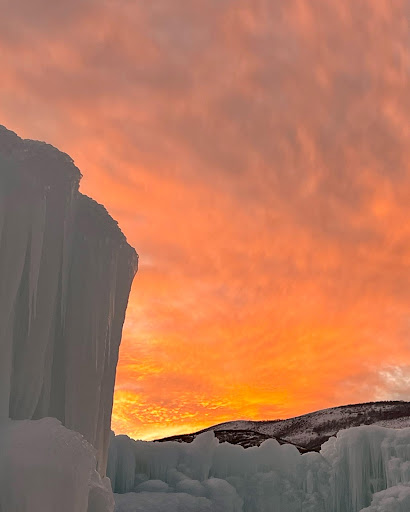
column 257, row 156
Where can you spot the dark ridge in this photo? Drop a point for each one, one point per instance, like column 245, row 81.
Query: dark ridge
column 318, row 432
column 361, row 405
column 245, row 438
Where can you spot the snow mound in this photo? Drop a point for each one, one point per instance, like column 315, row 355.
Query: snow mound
column 158, row 502
column 45, row 467
column 395, row 499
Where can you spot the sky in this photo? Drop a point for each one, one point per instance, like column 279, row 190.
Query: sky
column 257, row 156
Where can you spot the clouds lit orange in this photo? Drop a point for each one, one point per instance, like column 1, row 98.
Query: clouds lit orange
column 257, row 156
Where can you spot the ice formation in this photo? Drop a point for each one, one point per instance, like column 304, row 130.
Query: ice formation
column 44, row 467
column 362, row 469
column 65, row 272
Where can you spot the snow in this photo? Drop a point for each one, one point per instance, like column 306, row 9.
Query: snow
column 363, row 468
column 394, row 499
column 158, row 502
column 304, row 430
column 66, row 272
column 44, row 467
column 396, row 423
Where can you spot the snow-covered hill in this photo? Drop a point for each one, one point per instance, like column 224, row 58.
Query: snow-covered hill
column 310, row 431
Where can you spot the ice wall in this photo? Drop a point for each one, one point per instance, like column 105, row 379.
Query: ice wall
column 65, row 273
column 362, row 467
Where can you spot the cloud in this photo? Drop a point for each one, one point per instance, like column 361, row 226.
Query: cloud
column 395, row 382
column 257, row 156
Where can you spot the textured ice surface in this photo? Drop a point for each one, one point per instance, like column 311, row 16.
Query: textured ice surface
column 362, row 467
column 44, row 467
column 65, row 272
column 160, row 502
column 394, row 499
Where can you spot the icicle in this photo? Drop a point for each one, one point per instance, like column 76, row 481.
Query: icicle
column 352, row 471
column 36, row 246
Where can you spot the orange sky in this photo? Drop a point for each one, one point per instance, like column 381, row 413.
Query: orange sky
column 257, row 156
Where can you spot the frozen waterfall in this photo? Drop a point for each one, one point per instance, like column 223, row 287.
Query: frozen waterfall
column 362, row 467
column 65, row 272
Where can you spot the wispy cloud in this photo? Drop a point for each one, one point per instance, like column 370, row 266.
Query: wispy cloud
column 257, row 155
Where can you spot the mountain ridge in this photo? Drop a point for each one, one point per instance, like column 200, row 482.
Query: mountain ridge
column 308, row 431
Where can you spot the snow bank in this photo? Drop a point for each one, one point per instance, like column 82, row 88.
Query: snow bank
column 394, row 499
column 352, row 469
column 65, row 271
column 45, row 467
column 160, row 502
